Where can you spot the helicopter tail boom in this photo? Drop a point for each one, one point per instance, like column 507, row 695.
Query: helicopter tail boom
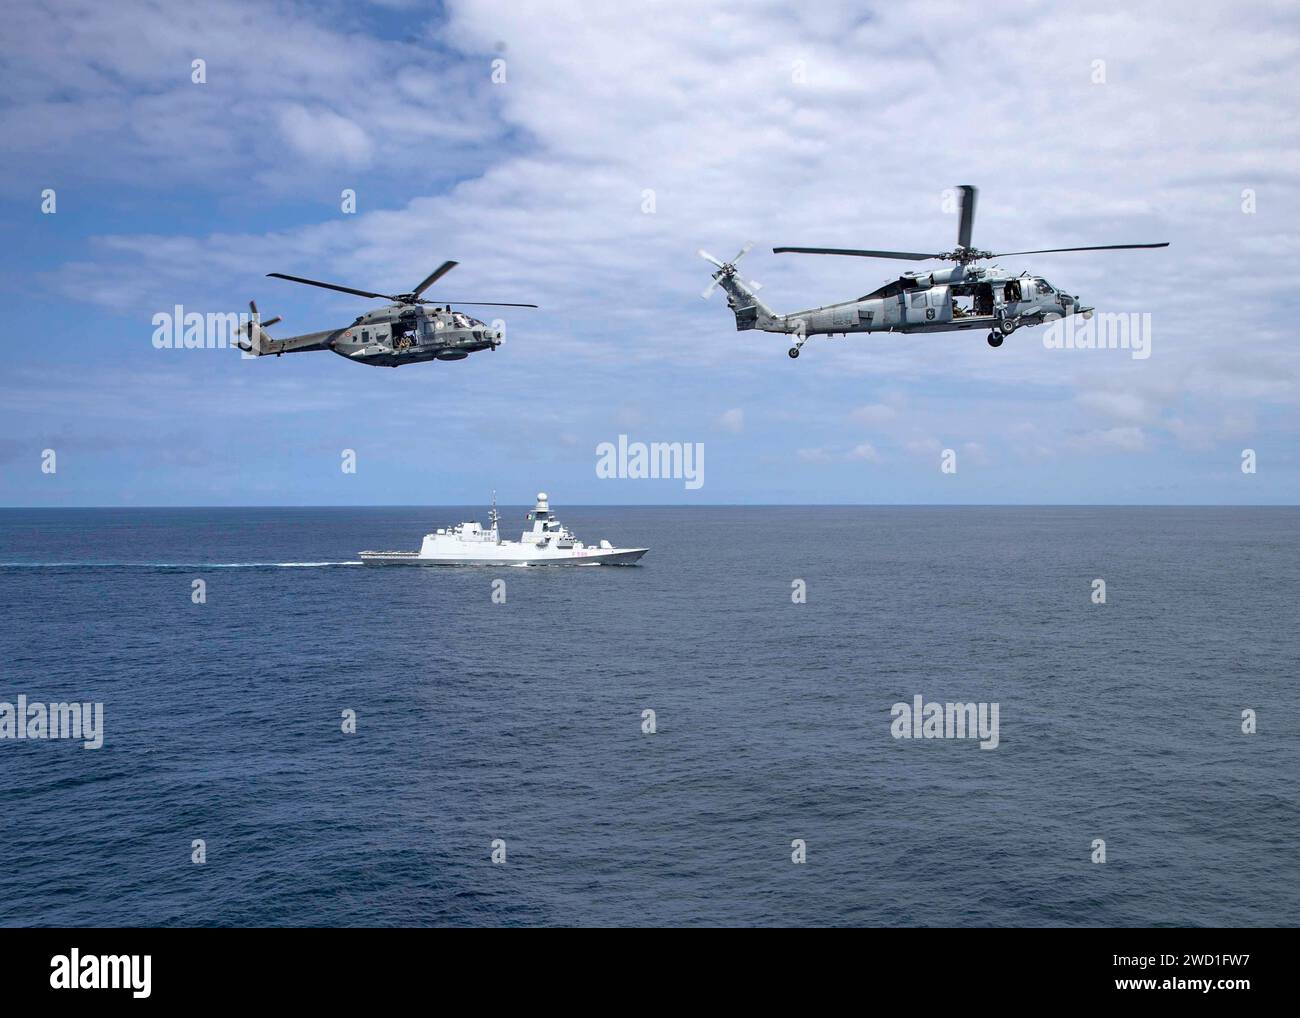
column 257, row 342
column 262, row 344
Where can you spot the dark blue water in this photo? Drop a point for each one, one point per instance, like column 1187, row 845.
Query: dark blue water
column 522, row 721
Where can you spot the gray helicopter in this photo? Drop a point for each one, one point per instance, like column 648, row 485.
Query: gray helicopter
column 967, row 296
column 409, row 330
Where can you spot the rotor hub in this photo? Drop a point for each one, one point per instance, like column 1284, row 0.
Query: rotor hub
column 966, row 254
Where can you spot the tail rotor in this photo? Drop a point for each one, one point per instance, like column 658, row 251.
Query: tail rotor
column 255, row 323
column 724, row 268
column 252, row 306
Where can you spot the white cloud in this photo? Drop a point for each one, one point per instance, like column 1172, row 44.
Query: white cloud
column 115, row 80
column 1122, row 439
column 733, row 420
column 324, row 135
column 874, row 414
column 922, row 446
column 1116, row 405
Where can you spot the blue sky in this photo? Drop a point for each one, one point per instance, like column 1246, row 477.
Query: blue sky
column 839, row 125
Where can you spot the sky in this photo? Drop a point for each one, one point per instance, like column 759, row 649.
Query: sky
column 575, row 155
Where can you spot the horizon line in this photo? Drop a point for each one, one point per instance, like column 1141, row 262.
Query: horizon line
column 698, row 505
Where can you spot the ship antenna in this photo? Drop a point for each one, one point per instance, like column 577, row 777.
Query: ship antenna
column 494, row 516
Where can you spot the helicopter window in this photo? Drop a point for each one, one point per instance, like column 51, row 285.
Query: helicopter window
column 365, row 335
column 1043, row 286
column 918, row 299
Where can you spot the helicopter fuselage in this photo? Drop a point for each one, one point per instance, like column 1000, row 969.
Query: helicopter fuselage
column 942, row 301
column 388, row 337
column 395, row 335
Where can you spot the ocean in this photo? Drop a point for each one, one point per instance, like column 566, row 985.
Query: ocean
column 522, row 724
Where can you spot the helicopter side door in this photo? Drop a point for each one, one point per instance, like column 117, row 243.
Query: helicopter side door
column 1014, row 296
column 427, row 336
column 918, row 303
column 940, row 309
column 929, row 306
column 373, row 333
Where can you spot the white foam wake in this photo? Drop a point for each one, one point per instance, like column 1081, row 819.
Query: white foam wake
column 178, row 565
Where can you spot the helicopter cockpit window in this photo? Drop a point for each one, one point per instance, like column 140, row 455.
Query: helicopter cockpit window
column 1043, row 285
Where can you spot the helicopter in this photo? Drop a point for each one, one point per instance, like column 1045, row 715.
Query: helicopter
column 407, row 331
column 966, row 296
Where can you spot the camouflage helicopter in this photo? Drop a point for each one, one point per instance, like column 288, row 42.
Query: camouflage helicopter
column 967, row 296
column 409, row 330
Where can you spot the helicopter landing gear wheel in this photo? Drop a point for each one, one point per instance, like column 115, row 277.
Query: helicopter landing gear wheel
column 793, row 352
column 995, row 339
column 1007, row 326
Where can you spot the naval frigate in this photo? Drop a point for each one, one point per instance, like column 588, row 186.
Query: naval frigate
column 548, row 543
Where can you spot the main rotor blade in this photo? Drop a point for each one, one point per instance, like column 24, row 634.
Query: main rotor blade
column 434, row 276
column 476, row 303
column 329, row 286
column 906, row 256
column 1055, row 250
column 968, row 195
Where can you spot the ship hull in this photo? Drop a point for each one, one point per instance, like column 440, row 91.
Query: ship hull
column 583, row 557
